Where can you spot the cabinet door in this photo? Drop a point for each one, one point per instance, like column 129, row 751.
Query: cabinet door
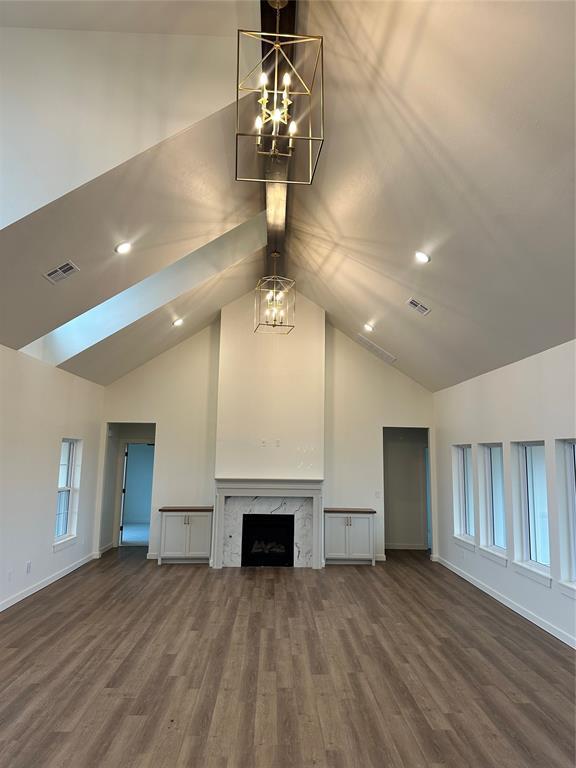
column 335, row 536
column 174, row 535
column 360, row 537
column 199, row 534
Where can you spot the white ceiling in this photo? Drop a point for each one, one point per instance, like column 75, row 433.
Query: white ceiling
column 169, row 201
column 450, row 129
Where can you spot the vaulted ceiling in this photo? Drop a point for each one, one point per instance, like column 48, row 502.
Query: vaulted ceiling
column 449, row 129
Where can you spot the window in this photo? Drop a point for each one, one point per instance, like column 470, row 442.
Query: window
column 464, row 490
column 68, row 476
column 566, row 489
column 494, row 496
column 534, row 499
column 571, row 506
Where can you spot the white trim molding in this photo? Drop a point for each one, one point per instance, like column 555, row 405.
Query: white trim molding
column 534, row 571
column 467, row 542
column 46, row 581
column 542, row 623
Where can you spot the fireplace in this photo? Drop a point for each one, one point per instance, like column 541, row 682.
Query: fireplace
column 268, row 540
column 238, row 499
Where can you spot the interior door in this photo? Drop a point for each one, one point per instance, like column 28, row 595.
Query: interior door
column 137, row 501
column 335, row 536
column 360, row 537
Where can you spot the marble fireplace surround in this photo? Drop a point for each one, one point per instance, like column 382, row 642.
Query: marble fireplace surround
column 308, row 523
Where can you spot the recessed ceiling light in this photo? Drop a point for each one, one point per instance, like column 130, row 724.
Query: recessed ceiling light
column 421, row 257
column 368, row 327
column 123, row 248
column 177, row 323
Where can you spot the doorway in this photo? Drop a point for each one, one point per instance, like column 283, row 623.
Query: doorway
column 136, row 501
column 128, row 472
column 407, row 520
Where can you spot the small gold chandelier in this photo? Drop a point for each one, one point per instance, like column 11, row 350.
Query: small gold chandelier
column 279, row 106
column 274, row 303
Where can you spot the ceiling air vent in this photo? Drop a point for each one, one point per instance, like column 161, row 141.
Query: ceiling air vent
column 418, row 306
column 60, row 273
column 375, row 349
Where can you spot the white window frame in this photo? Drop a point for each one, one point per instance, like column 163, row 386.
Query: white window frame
column 571, row 505
column 487, row 498
column 566, row 489
column 461, row 483
column 72, row 487
column 523, row 562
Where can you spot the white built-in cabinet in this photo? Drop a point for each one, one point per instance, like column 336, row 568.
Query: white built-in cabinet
column 185, row 534
column 349, row 535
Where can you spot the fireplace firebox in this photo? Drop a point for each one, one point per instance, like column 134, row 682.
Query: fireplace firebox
column 268, row 540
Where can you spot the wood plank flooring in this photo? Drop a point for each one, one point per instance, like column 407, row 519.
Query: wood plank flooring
column 124, row 664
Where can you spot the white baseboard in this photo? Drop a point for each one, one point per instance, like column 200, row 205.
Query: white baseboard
column 542, row 623
column 152, row 556
column 435, row 558
column 45, row 582
column 406, row 546
column 380, row 558
column 103, row 549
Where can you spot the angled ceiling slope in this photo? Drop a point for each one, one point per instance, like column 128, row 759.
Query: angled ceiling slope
column 151, row 294
column 154, row 334
column 450, row 130
column 168, row 201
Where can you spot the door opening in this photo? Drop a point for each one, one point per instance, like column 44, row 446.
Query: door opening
column 407, row 518
column 136, row 498
column 127, row 484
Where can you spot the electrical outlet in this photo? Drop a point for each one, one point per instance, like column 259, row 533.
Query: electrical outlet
column 28, row 566
column 277, row 443
column 263, row 443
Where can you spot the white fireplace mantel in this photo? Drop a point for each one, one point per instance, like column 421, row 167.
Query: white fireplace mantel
column 268, row 488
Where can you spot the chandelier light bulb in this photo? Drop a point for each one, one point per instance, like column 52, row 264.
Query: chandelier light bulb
column 263, row 79
column 286, row 80
column 276, row 116
column 258, row 123
column 292, row 128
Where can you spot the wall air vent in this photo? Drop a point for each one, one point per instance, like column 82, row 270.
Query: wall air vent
column 60, row 273
column 418, row 306
column 376, row 350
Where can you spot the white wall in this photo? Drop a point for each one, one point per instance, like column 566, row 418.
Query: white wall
column 271, row 396
column 177, row 391
column 75, row 104
column 39, row 405
column 529, row 400
column 363, row 395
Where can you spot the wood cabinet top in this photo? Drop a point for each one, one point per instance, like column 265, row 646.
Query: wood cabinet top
column 186, row 509
column 347, row 511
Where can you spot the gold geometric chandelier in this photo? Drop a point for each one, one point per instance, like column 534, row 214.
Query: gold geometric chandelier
column 274, row 303
column 279, row 106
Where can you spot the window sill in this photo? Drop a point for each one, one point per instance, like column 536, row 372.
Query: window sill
column 65, row 541
column 568, row 588
column 539, row 573
column 465, row 541
column 496, row 554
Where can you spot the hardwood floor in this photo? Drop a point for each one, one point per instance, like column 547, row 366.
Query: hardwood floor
column 124, row 664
